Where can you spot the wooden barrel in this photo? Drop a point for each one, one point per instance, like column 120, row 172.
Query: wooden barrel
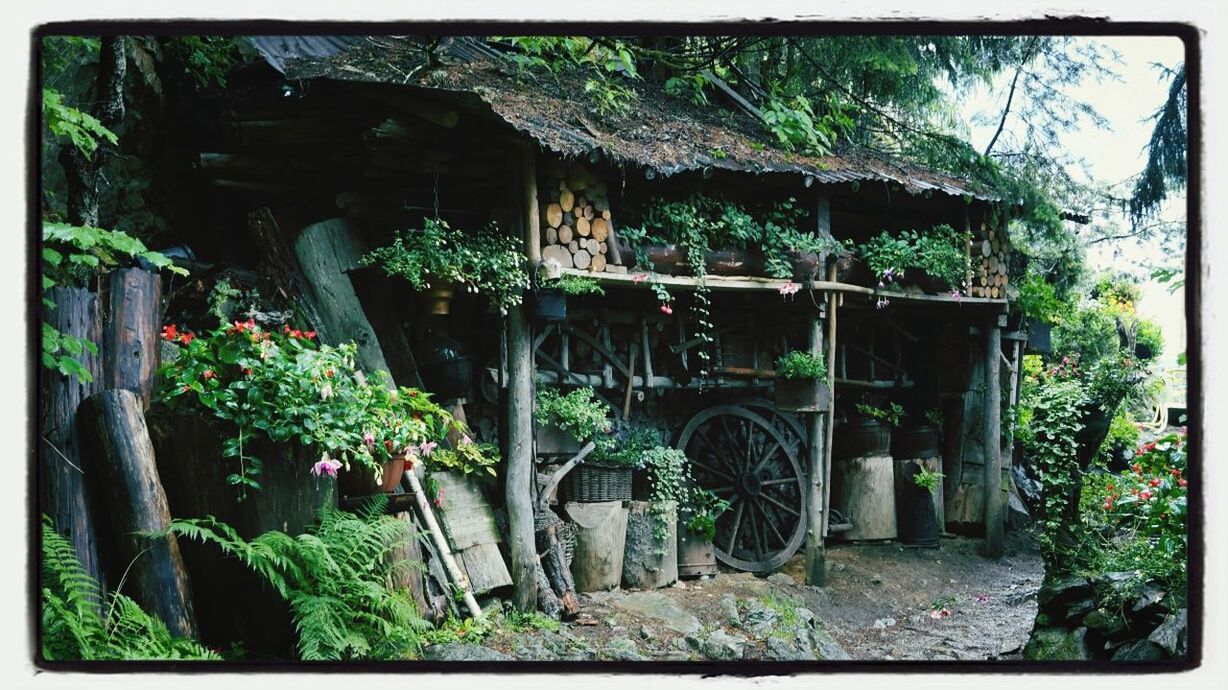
column 601, row 532
column 695, row 555
column 863, row 490
column 918, row 511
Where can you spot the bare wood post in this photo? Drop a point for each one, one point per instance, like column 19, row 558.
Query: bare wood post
column 993, row 442
column 284, row 267
column 833, row 300
column 519, row 482
column 816, row 558
column 130, row 353
column 123, row 456
column 62, row 482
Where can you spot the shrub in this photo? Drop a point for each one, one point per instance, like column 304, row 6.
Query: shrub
column 801, row 365
column 576, row 413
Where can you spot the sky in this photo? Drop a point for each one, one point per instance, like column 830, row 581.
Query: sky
column 1114, row 154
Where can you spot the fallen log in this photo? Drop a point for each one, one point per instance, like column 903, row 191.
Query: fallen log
column 122, row 454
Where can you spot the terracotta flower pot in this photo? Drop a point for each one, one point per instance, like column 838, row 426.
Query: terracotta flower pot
column 360, row 480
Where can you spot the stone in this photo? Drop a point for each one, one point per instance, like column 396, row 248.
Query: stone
column 883, row 623
column 461, row 651
column 1152, row 594
column 876, row 579
column 1171, row 634
column 1057, row 644
column 647, row 633
column 1058, row 591
column 1076, row 610
column 729, row 609
column 784, row 650
column 826, row 646
column 1108, row 624
column 532, row 648
column 658, row 607
column 622, row 649
column 759, row 618
column 1139, row 650
column 781, row 579
column 723, row 646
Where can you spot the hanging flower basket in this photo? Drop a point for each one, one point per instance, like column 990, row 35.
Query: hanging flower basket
column 802, row 395
column 360, row 480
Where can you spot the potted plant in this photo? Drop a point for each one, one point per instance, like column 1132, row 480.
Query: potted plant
column 801, row 383
column 651, row 558
column 550, row 300
column 699, row 513
column 919, row 438
column 1039, row 305
column 282, row 386
column 870, row 435
column 437, row 259
column 933, row 259
column 566, row 422
column 917, row 491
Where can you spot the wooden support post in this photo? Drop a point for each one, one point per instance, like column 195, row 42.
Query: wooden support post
column 533, row 240
column 832, row 304
column 63, row 491
column 130, row 353
column 816, row 558
column 993, row 443
column 122, row 456
column 518, row 480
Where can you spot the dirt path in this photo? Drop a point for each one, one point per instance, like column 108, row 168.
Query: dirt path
column 877, row 605
column 880, row 599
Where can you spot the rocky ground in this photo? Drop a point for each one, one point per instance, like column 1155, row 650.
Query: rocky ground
column 882, row 602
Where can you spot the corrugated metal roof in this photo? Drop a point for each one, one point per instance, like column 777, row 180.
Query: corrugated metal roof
column 663, row 134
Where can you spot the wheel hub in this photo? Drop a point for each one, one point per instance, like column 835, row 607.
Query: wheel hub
column 749, row 484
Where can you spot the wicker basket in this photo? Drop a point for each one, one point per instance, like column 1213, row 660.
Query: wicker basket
column 589, row 483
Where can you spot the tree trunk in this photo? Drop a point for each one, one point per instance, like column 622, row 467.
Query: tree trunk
column 326, row 251
column 63, row 486
column 649, row 563
column 284, row 268
column 81, row 173
column 518, row 484
column 994, row 524
column 865, row 489
column 130, row 355
column 123, row 456
column 600, row 537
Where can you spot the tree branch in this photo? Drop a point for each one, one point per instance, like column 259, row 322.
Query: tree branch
column 1027, row 57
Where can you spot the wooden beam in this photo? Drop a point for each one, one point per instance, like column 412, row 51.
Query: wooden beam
column 832, row 304
column 816, row 486
column 993, row 443
column 518, row 482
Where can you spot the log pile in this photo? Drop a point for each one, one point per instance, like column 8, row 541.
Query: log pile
column 989, row 254
column 577, row 225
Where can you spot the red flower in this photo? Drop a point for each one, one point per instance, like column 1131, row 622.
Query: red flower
column 208, row 374
column 388, row 445
column 247, row 371
column 296, row 333
column 328, row 373
column 1154, row 482
column 185, row 389
column 1182, row 482
column 310, row 335
column 418, row 416
column 1176, row 471
column 187, row 338
column 1136, row 468
column 665, row 309
column 1108, row 505
column 1145, row 495
column 1111, row 486
column 170, row 332
column 285, row 328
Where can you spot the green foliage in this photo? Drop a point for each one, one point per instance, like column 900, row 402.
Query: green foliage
column 1089, row 333
column 467, row 458
column 700, row 512
column 934, row 416
column 571, row 284
column 1151, row 337
column 792, row 121
column 801, row 365
column 438, row 256
column 576, row 413
column 1123, row 436
column 522, row 621
column 82, row 129
column 606, row 65
column 468, row 630
column 890, row 414
column 206, row 59
column 337, row 579
column 1165, row 170
column 689, row 87
column 75, row 626
column 1048, row 435
column 1038, row 300
column 1141, row 518
column 71, row 255
column 926, row 479
column 938, row 252
column 669, row 476
column 626, row 449
column 286, row 387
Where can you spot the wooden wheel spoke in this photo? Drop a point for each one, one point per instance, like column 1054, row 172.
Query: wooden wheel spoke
column 716, row 453
column 776, row 482
column 768, row 519
column 737, row 524
column 722, row 489
column 754, row 532
column 733, row 442
column 712, row 470
column 780, row 505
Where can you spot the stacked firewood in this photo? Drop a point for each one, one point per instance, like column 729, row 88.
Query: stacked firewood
column 989, row 253
column 577, row 227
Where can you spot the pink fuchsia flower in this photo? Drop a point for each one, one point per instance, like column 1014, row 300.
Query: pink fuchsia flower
column 956, row 294
column 1146, row 495
column 439, row 498
column 940, row 613
column 369, row 439
column 465, row 440
column 639, row 277
column 666, row 309
column 326, row 465
column 426, row 448
column 360, row 377
column 789, row 289
column 326, row 391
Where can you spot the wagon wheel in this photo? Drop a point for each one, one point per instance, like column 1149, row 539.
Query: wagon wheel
column 785, row 422
column 745, row 459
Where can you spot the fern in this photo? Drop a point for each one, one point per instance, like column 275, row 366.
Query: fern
column 75, row 626
column 337, row 579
